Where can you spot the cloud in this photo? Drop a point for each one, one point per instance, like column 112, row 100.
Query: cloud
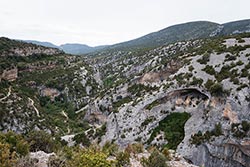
column 97, row 22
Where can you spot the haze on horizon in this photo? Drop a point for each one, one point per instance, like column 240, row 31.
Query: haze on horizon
column 96, row 22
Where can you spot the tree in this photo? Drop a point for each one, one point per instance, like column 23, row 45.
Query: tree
column 7, row 158
column 90, row 157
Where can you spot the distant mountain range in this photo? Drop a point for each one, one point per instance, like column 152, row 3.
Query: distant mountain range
column 79, row 49
column 71, row 48
column 180, row 32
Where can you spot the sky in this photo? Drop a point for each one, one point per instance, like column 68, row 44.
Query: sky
column 102, row 22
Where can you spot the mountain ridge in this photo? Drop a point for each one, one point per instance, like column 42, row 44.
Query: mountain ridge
column 170, row 34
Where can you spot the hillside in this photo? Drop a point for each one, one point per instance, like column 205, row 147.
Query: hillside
column 46, row 44
column 187, row 102
column 79, row 49
column 181, row 32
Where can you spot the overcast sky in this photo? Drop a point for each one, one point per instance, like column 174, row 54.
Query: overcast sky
column 98, row 22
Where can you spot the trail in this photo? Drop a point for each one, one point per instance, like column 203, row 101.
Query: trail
column 65, row 115
column 32, row 104
column 8, row 94
column 80, row 110
column 67, row 118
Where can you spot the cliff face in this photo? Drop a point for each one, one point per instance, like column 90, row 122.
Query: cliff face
column 210, row 84
column 9, row 75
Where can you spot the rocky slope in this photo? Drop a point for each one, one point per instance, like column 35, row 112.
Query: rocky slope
column 201, row 85
column 192, row 96
column 41, row 88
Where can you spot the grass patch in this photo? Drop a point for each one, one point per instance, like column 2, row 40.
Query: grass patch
column 173, row 128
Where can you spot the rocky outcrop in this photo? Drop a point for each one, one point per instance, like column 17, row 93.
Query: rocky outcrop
column 50, row 92
column 129, row 124
column 42, row 158
column 29, row 51
column 227, row 155
column 10, row 75
column 229, row 114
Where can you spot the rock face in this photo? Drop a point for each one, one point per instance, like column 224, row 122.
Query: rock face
column 29, row 51
column 229, row 114
column 132, row 126
column 50, row 92
column 187, row 86
column 42, row 158
column 225, row 150
column 10, row 75
column 227, row 154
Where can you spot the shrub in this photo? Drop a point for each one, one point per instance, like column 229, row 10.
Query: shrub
column 190, row 68
column 134, row 148
column 7, row 157
column 216, row 89
column 81, row 138
column 90, row 157
column 40, row 140
column 16, row 143
column 197, row 81
column 204, row 59
column 153, row 104
column 156, row 159
column 240, row 130
column 230, row 57
column 209, row 69
column 122, row 159
column 199, row 138
column 110, row 148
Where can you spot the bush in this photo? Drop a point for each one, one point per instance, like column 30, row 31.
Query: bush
column 190, row 68
column 90, row 157
column 199, row 138
column 156, row 159
column 240, row 130
column 40, row 140
column 204, row 59
column 7, row 157
column 110, row 148
column 81, row 138
column 216, row 89
column 134, row 148
column 122, row 159
column 209, row 69
column 16, row 143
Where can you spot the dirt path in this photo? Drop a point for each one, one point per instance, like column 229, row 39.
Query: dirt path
column 8, row 94
column 32, row 104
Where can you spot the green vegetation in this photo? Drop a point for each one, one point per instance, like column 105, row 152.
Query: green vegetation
column 230, row 57
column 173, row 128
column 147, row 121
column 153, row 104
column 90, row 157
column 138, row 89
column 40, row 140
column 209, row 69
column 196, row 81
column 156, row 159
column 240, row 130
column 200, row 138
column 81, row 138
column 190, row 68
column 204, row 59
column 216, row 89
column 120, row 102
